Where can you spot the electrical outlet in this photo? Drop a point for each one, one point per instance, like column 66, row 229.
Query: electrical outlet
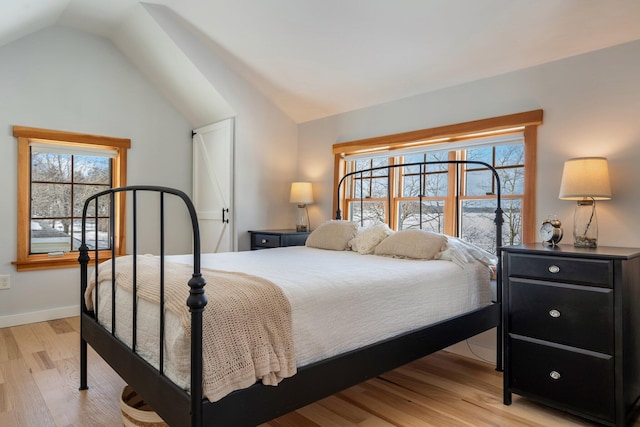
column 5, row 282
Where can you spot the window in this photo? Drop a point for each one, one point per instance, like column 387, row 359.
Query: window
column 451, row 199
column 57, row 171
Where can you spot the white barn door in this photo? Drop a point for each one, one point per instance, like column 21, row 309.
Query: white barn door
column 213, row 185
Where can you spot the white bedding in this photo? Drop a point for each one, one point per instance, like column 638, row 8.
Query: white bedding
column 340, row 300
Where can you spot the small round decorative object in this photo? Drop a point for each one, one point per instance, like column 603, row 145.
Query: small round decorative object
column 551, row 231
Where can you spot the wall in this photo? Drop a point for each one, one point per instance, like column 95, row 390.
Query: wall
column 591, row 104
column 67, row 80
column 266, row 138
column 591, row 107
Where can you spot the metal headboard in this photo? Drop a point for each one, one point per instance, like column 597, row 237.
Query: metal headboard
column 498, row 220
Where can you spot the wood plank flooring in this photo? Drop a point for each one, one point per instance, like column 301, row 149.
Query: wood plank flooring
column 39, row 371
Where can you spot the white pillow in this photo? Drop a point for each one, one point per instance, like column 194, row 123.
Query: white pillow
column 461, row 253
column 412, row 244
column 333, row 235
column 367, row 239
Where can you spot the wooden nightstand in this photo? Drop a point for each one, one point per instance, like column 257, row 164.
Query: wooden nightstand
column 265, row 239
column 572, row 328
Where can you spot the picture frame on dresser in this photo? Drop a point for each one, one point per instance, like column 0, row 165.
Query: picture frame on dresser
column 572, row 329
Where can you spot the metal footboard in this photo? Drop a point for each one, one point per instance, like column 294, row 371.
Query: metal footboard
column 137, row 370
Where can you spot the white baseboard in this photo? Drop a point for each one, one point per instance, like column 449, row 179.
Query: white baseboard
column 39, row 316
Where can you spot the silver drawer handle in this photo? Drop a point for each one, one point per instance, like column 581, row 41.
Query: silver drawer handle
column 264, row 240
column 554, row 313
column 554, row 269
column 555, row 375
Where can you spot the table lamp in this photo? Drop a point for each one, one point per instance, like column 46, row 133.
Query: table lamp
column 302, row 194
column 585, row 180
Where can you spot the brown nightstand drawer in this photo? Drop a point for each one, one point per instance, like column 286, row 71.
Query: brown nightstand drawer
column 579, row 316
column 562, row 269
column 260, row 240
column 567, row 377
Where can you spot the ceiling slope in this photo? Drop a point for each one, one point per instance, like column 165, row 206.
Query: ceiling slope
column 318, row 58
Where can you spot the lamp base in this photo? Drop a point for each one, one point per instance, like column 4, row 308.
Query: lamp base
column 585, row 224
column 585, row 242
column 302, row 222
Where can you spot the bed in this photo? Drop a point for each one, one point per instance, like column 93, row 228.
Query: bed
column 334, row 298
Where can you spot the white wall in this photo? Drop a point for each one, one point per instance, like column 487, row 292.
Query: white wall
column 67, row 80
column 266, row 138
column 591, row 107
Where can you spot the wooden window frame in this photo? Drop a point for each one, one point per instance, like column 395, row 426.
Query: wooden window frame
column 525, row 122
column 25, row 136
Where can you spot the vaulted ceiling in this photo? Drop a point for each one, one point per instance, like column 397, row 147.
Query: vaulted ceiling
column 317, row 58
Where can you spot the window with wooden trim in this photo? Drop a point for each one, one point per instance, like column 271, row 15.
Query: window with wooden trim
column 456, row 200
column 57, row 171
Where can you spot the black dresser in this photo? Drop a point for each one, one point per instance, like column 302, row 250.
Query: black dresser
column 266, row 239
column 572, row 328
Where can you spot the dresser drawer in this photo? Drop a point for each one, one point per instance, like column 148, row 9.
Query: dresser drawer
column 564, row 377
column 594, row 272
column 260, row 240
column 579, row 316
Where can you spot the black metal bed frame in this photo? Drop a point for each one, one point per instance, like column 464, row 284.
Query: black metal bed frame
column 258, row 403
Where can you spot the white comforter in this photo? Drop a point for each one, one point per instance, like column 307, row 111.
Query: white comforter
column 340, row 300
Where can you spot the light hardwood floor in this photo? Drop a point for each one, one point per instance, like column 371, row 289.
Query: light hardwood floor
column 39, row 387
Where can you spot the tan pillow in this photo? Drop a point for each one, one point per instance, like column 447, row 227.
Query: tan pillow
column 367, row 239
column 413, row 244
column 333, row 235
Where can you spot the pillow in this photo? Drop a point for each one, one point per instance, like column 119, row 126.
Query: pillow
column 367, row 239
column 412, row 244
column 333, row 235
column 461, row 253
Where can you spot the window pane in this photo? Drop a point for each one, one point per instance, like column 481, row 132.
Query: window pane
column 483, row 154
column 377, row 163
column 373, row 213
column 411, row 186
column 512, row 227
column 104, row 239
column 92, row 170
column 479, row 183
column 512, row 180
column 477, row 223
column 435, row 185
column 82, row 192
column 380, row 187
column 510, row 155
column 50, row 236
column 371, row 187
column 432, row 215
column 50, row 167
column 50, row 200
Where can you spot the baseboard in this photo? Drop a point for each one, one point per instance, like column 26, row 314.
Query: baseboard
column 39, row 316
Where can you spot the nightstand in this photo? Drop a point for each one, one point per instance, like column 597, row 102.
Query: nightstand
column 572, row 328
column 265, row 239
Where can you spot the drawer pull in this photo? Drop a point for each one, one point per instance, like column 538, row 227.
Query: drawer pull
column 554, row 313
column 555, row 375
column 554, row 269
column 264, row 241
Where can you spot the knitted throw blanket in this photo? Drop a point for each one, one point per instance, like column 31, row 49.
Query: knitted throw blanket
column 246, row 332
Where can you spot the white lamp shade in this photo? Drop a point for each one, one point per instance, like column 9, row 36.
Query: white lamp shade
column 301, row 193
column 585, row 177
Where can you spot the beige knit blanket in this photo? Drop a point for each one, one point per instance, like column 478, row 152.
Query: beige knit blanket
column 246, row 324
